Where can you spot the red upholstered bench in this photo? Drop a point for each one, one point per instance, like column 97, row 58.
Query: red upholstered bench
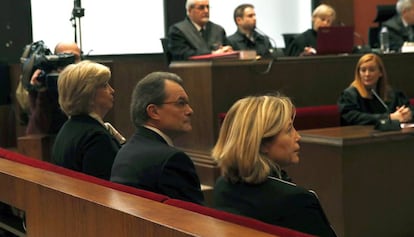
column 321, row 116
column 240, row 220
column 237, row 219
column 229, row 217
column 7, row 154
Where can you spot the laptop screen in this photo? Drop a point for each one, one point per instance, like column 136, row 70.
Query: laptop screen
column 335, row 40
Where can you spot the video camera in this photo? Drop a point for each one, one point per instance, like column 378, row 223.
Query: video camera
column 38, row 56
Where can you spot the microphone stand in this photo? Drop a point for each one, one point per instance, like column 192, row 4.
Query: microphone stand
column 385, row 124
column 364, row 48
column 77, row 13
column 272, row 51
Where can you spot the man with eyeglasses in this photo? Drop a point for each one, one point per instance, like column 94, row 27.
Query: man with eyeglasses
column 401, row 26
column 160, row 112
column 196, row 34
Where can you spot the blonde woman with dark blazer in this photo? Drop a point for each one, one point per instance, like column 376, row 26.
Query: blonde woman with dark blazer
column 256, row 141
column 85, row 143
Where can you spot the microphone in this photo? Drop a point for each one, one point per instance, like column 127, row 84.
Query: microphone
column 386, row 124
column 358, row 35
column 380, row 100
column 364, row 48
column 273, row 50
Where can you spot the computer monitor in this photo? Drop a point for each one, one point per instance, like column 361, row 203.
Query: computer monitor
column 335, row 40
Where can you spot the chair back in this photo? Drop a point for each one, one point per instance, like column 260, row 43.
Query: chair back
column 288, row 38
column 373, row 37
column 167, row 55
column 384, row 12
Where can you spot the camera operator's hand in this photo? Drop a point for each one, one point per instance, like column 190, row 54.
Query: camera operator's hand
column 35, row 82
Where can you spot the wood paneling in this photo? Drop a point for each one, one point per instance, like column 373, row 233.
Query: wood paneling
column 213, row 86
column 362, row 178
column 57, row 205
column 15, row 29
column 364, row 15
column 174, row 11
column 343, row 8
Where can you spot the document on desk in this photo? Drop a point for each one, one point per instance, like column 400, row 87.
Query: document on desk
column 243, row 54
column 407, row 125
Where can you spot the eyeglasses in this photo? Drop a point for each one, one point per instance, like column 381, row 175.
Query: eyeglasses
column 180, row 103
column 201, row 7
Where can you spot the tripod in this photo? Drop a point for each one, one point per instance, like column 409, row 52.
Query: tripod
column 77, row 13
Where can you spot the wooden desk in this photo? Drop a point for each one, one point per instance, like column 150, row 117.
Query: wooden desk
column 213, row 86
column 364, row 178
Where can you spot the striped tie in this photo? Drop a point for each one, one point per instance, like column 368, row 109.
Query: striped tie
column 410, row 33
column 203, row 34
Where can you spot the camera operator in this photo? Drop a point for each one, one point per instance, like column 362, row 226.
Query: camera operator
column 45, row 114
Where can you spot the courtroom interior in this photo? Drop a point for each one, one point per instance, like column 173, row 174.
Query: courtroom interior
column 361, row 173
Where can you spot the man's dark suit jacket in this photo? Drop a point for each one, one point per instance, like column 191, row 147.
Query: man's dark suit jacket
column 261, row 43
column 398, row 33
column 85, row 145
column 147, row 162
column 274, row 201
column 184, row 40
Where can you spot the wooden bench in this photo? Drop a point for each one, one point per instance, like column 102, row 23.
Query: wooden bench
column 321, row 116
column 62, row 202
column 38, row 146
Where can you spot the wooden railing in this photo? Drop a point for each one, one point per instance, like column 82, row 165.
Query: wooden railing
column 58, row 205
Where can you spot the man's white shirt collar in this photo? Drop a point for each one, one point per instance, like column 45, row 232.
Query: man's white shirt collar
column 197, row 26
column 163, row 135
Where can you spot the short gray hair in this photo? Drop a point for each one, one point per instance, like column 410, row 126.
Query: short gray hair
column 403, row 4
column 189, row 4
column 324, row 10
column 149, row 90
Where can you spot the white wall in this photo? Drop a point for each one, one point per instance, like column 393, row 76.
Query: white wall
column 136, row 26
column 108, row 27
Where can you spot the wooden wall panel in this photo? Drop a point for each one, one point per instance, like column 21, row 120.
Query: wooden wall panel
column 15, row 29
column 365, row 13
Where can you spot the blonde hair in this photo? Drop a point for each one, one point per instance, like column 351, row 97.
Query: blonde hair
column 77, row 85
column 248, row 122
column 382, row 84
